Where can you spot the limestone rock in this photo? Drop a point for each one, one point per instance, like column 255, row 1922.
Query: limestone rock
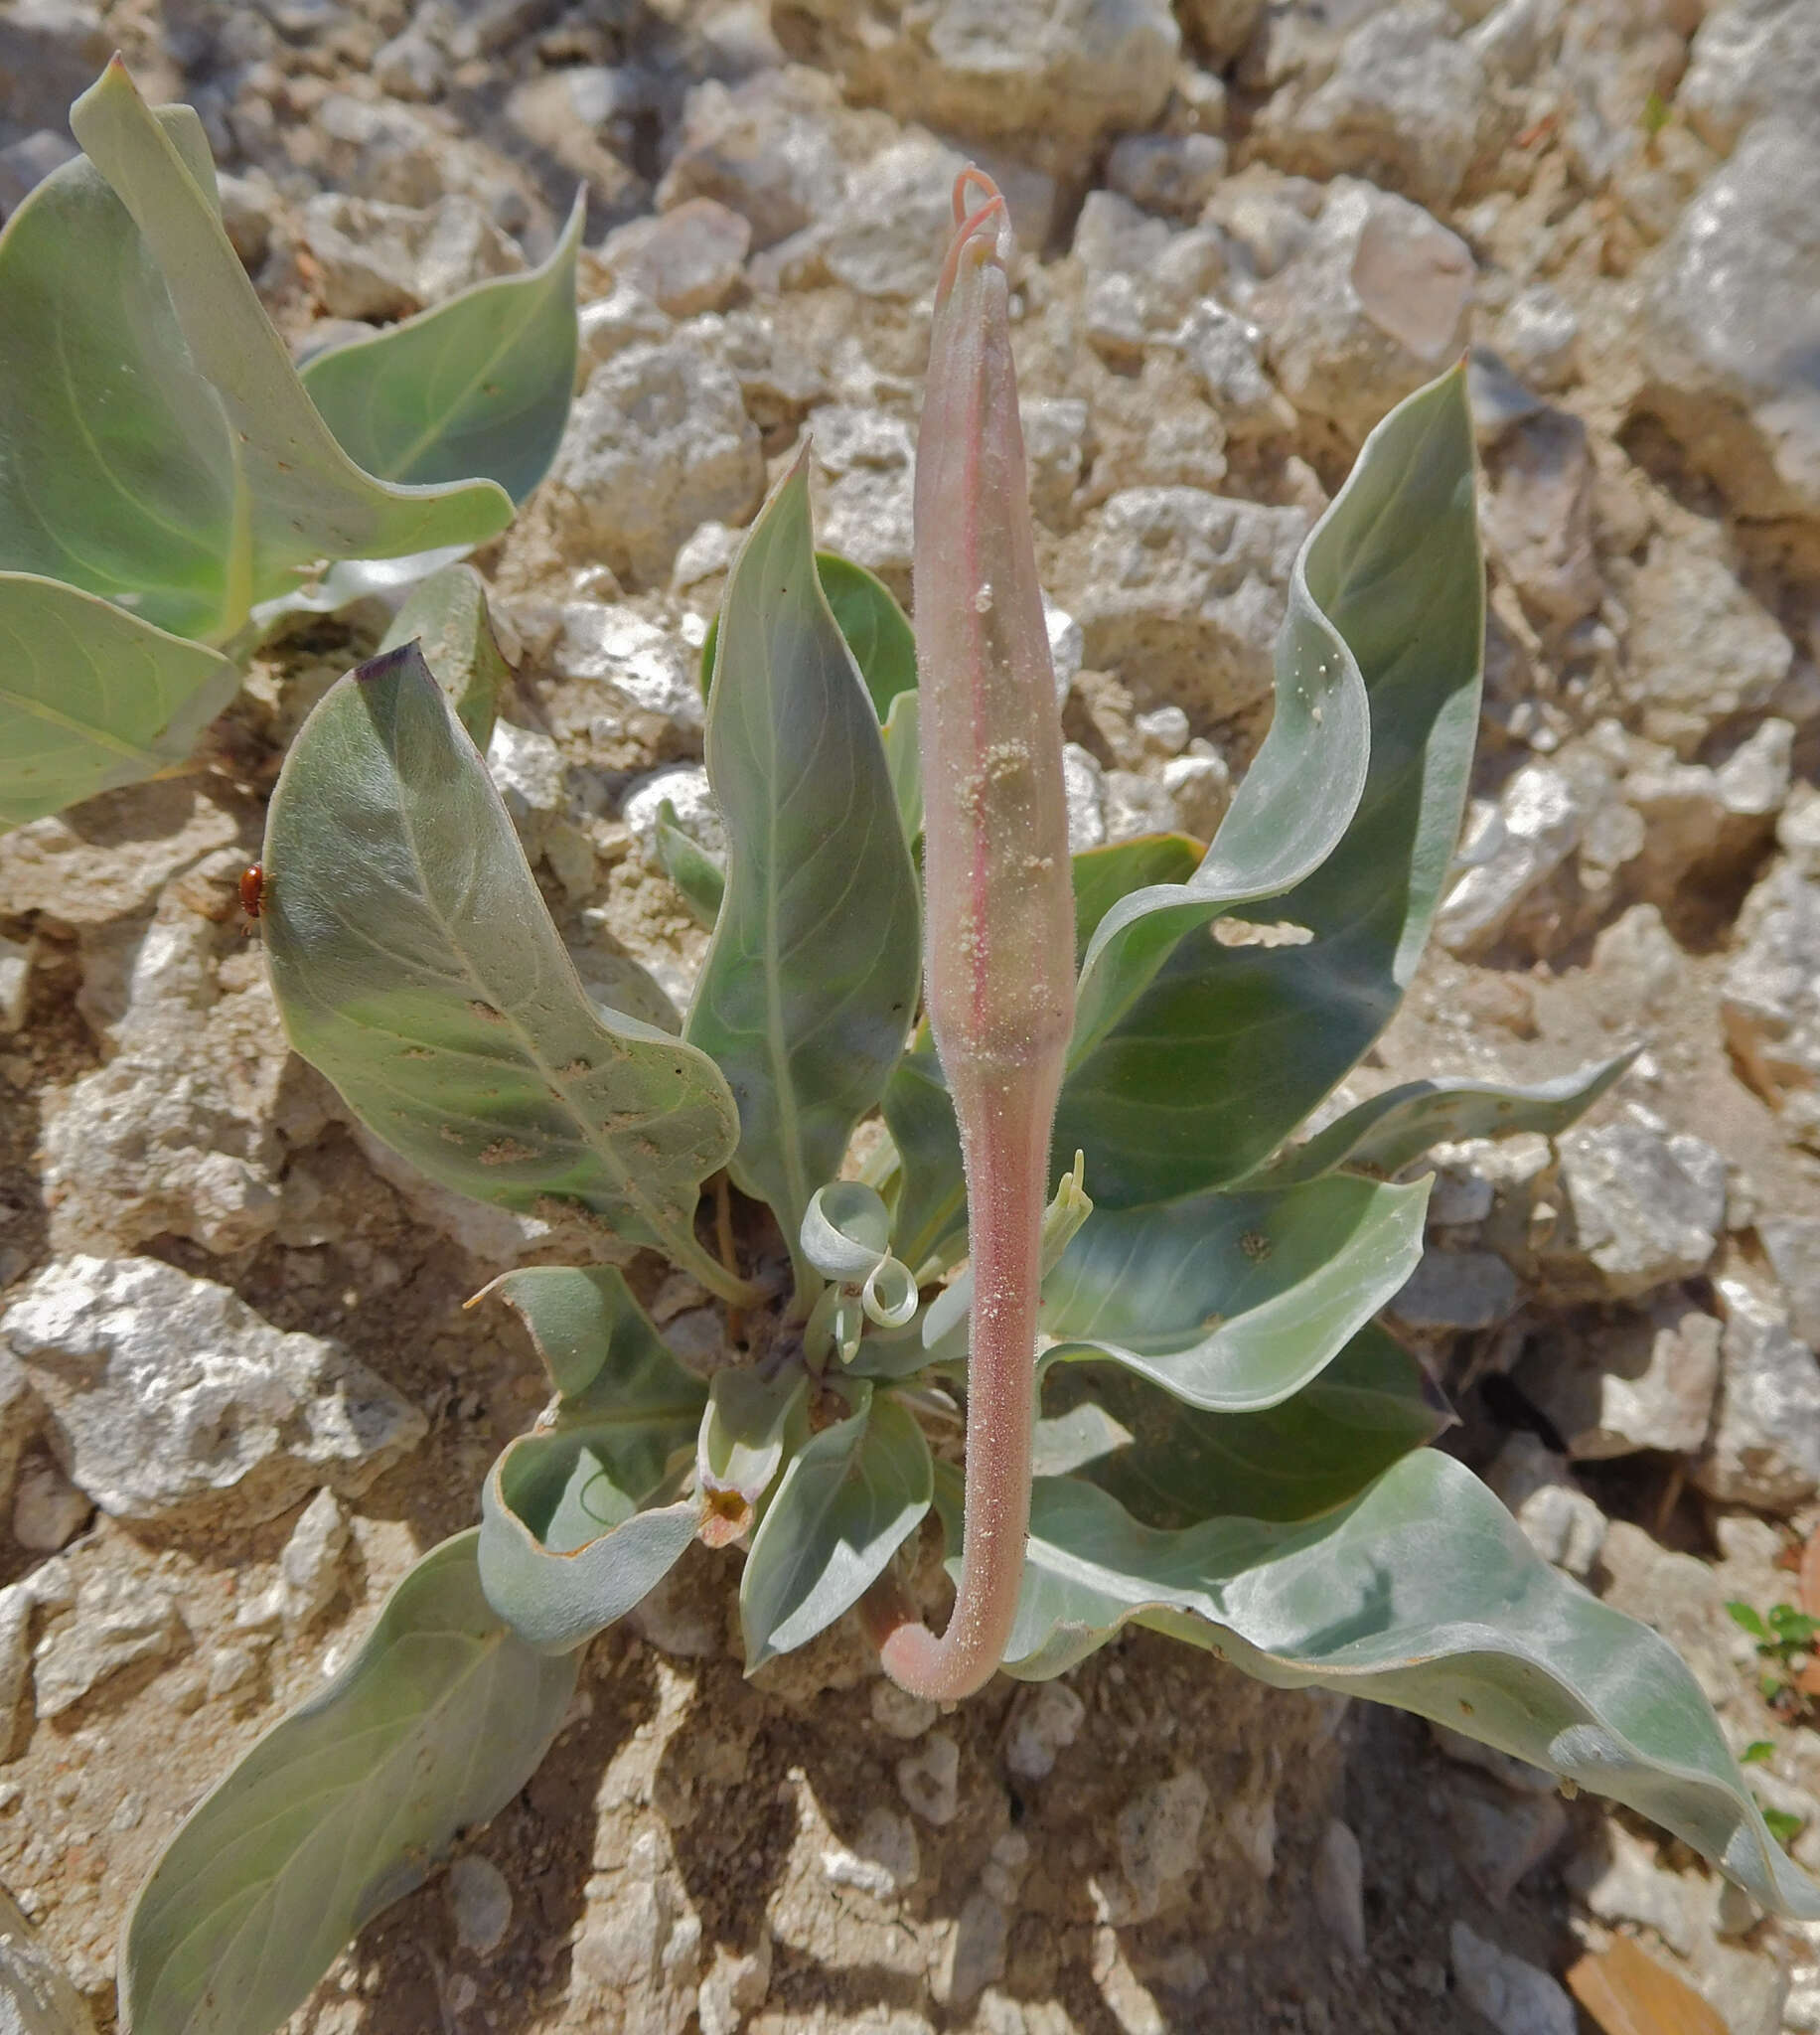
column 310, row 1570
column 929, row 1780
column 1769, row 999
column 173, row 1401
column 1645, row 1383
column 1792, row 1245
column 1053, row 78
column 658, row 442
column 624, row 318
column 638, row 679
column 1045, row 1719
column 1680, row 1597
column 1539, row 337
column 1340, row 1886
column 120, row 1620
column 1227, row 353
column 1499, row 1840
column 47, row 1510
column 1456, row 1289
column 480, row 1904
column 1184, row 591
column 763, row 148
column 1697, row 817
column 1514, row 1996
column 685, row 261
column 1402, row 106
column 380, row 262
column 1765, row 1444
column 1517, row 846
column 1732, row 323
column 1158, row 1835
column 887, row 238
column 1538, row 518
column 1750, row 59
column 50, row 52
column 1621, row 1881
column 1167, row 173
column 1700, row 647
column 1373, row 305
column 1647, row 1204
column 1559, row 1520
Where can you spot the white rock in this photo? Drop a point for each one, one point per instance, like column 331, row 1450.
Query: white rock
column 1371, row 307
column 310, row 1570
column 1678, row 1596
column 1050, row 79
column 1402, row 106
column 687, row 261
column 1647, row 1206
column 47, row 1510
column 1200, row 789
column 1169, row 173
column 764, row 149
column 885, row 1858
column 480, row 1903
column 15, row 983
column 1514, row 1996
column 1539, row 336
column 1621, row 1881
column 1561, row 1523
column 1646, row 1383
column 1084, row 783
column 899, row 1713
column 36, row 1996
column 1159, row 1838
column 888, row 239
column 1731, row 322
column 1227, row 353
column 656, row 444
column 17, row 1605
column 1700, row 647
column 1045, row 1720
column 644, row 673
column 1184, row 592
column 1750, row 59
column 686, row 786
column 529, row 772
column 1055, row 449
column 1535, row 828
column 1765, row 1444
column 1499, row 1840
column 1340, row 1887
column 1792, row 1246
column 973, row 1956
column 1538, row 515
column 119, row 1621
column 930, row 1779
column 1456, row 1289
column 176, row 1400
column 379, row 260
column 611, row 325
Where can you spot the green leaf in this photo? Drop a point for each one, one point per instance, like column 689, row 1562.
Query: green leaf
column 566, row 1544
column 116, row 470
column 479, row 385
column 810, row 978
column 91, row 697
column 1233, row 1302
column 446, row 616
column 1103, row 875
column 1758, row 1753
column 1782, row 1824
column 1384, row 1135
column 415, row 965
column 1176, row 1466
column 689, row 866
column 340, row 1810
column 1194, row 1059
column 1424, row 1594
column 849, row 1499
column 875, row 628
column 1743, row 1615
column 929, row 1202
column 299, row 496
column 902, row 733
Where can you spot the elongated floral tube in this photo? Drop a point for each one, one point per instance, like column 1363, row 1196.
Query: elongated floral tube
column 998, row 965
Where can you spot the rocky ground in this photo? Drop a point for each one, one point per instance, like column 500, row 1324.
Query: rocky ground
column 241, row 1392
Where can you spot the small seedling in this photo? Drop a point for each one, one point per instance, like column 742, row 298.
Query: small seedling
column 1006, row 1167
column 1785, row 1644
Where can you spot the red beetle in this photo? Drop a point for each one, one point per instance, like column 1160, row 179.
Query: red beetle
column 252, row 889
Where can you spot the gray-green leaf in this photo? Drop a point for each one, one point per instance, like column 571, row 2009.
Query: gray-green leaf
column 566, row 1544
column 1422, row 1594
column 1193, row 1060
column 414, row 963
column 1384, row 1135
column 431, row 1728
column 91, row 697
column 479, row 385
column 810, row 978
column 689, row 866
column 298, row 495
column 1233, row 1301
column 849, row 1499
column 446, row 616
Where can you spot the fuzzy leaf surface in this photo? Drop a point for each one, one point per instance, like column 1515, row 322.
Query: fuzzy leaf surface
column 299, row 496
column 344, row 1806
column 415, row 965
column 566, row 1544
column 93, row 697
column 850, row 1497
column 1424, row 1594
column 810, row 978
column 1173, row 1465
column 1194, row 1059
column 875, row 628
column 479, row 384
column 446, row 618
column 1385, row 1134
column 116, row 471
column 1233, row 1301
